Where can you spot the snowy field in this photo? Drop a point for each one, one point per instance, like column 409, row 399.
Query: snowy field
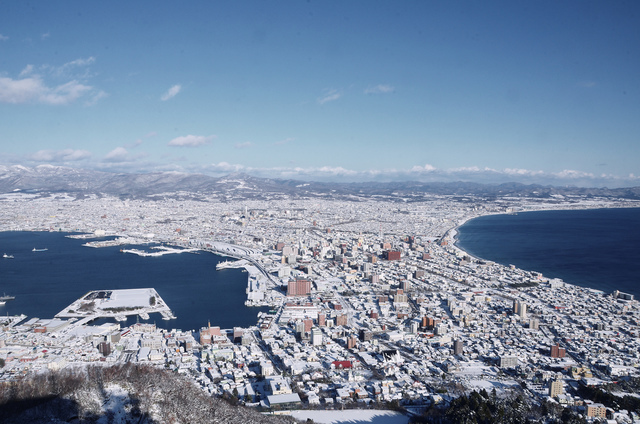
column 352, row 416
column 129, row 298
column 492, row 384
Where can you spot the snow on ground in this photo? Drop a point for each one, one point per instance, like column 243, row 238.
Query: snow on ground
column 129, row 298
column 114, row 406
column 352, row 416
column 492, row 384
column 474, row 368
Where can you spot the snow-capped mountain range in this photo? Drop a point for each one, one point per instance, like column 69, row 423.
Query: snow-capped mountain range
column 48, row 178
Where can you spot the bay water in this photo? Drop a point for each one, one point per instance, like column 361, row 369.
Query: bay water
column 595, row 248
column 45, row 282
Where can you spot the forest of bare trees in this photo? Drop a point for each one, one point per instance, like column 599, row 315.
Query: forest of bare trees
column 118, row 394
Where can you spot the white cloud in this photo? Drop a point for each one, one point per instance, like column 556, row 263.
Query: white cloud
column 572, row 174
column 3, row 37
column 70, row 69
column 191, row 140
column 172, row 92
column 283, row 142
column 471, row 170
column 96, row 97
column 522, row 172
column 31, row 87
column 80, row 62
column 20, row 91
column 119, row 154
column 244, row 145
column 26, row 71
column 45, row 36
column 66, row 155
column 225, row 167
column 329, row 96
column 422, row 169
column 65, row 93
column 379, row 89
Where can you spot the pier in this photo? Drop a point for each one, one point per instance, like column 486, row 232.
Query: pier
column 116, row 304
column 163, row 250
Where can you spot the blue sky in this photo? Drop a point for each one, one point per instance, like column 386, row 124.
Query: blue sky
column 527, row 91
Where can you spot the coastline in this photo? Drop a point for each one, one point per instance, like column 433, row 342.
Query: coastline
column 451, row 235
column 558, row 265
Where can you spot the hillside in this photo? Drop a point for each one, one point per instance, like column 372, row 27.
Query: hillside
column 118, row 394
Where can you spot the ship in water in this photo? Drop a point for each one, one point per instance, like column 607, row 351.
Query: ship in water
column 39, row 250
column 4, row 298
column 7, row 256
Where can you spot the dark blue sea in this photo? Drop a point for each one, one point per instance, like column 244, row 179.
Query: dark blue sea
column 596, row 248
column 46, row 282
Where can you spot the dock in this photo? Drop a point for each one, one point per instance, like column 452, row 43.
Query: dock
column 117, row 304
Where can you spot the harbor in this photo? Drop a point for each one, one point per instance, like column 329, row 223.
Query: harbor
column 259, row 284
column 160, row 251
column 117, row 304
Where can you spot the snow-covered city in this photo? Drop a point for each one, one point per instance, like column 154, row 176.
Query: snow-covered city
column 372, row 306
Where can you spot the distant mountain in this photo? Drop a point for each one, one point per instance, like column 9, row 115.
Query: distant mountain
column 52, row 179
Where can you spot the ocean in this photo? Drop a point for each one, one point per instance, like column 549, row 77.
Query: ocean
column 45, row 282
column 595, row 248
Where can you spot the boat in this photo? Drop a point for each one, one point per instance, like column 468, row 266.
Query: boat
column 39, row 250
column 7, row 256
column 5, row 297
column 167, row 315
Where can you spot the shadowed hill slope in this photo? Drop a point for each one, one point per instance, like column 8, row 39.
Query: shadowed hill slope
column 119, row 394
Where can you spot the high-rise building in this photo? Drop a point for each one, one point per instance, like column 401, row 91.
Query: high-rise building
column 308, row 325
column 557, row 351
column 351, row 342
column 365, row 335
column 520, row 309
column 508, row 361
column 104, row 348
column 555, row 388
column 405, row 285
column 237, row 334
column 596, row 410
column 298, row 288
column 341, row 320
column 393, row 255
column 316, row 336
column 400, row 298
column 457, row 347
